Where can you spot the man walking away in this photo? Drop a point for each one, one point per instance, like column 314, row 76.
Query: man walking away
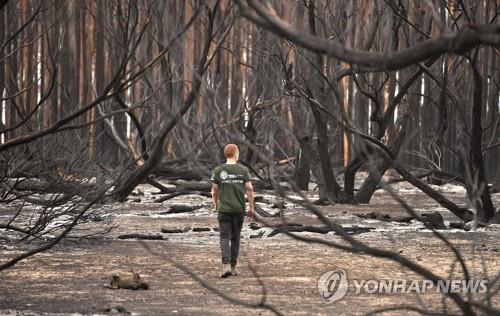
column 230, row 182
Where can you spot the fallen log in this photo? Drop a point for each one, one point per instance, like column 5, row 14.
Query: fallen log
column 202, row 186
column 180, row 173
column 179, row 193
column 261, row 185
column 175, row 230
column 170, row 196
column 265, row 213
column 274, row 202
column 181, row 208
column 320, row 230
column 201, row 229
column 439, row 177
column 158, row 185
column 386, row 217
column 255, row 226
column 141, row 236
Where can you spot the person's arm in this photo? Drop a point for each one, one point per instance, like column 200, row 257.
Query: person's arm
column 250, row 196
column 215, row 195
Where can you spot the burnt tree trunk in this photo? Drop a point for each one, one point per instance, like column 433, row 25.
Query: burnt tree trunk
column 303, row 167
column 484, row 207
column 317, row 92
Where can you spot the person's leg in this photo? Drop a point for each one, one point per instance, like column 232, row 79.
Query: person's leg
column 225, row 233
column 237, row 224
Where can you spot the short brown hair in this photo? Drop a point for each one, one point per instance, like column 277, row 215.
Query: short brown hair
column 230, row 150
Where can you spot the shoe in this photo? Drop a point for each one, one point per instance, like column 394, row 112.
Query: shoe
column 226, row 270
column 233, row 270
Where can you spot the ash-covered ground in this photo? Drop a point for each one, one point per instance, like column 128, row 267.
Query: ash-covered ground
column 277, row 269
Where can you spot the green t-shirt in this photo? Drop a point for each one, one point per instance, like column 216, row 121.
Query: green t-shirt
column 231, row 179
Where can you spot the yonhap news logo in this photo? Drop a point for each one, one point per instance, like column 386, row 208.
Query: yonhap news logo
column 334, row 285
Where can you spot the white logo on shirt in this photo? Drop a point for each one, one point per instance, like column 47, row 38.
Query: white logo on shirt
column 223, row 175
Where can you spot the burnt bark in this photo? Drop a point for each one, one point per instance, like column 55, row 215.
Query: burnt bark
column 316, row 91
column 302, row 174
column 485, row 208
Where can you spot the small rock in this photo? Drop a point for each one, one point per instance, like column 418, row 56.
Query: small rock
column 138, row 193
column 136, row 200
column 468, row 226
column 254, row 226
column 280, row 205
column 123, row 310
column 258, row 198
column 402, row 219
column 433, row 220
